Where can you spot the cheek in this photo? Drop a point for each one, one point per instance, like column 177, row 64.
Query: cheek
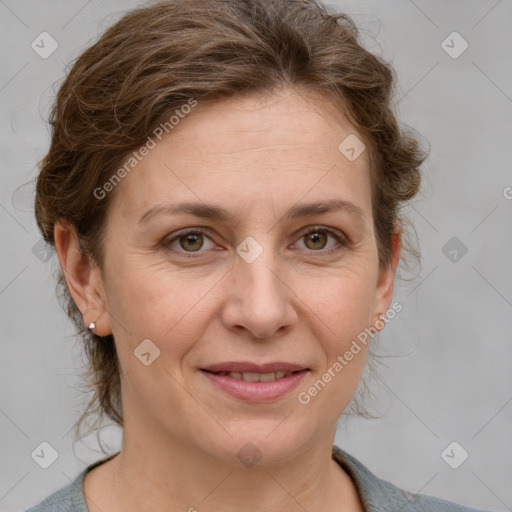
column 158, row 304
column 343, row 312
column 341, row 302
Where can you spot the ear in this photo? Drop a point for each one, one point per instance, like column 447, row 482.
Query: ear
column 386, row 280
column 83, row 278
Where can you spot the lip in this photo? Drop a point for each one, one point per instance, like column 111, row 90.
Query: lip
column 257, row 391
column 247, row 366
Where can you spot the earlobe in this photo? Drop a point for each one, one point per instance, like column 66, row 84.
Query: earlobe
column 82, row 277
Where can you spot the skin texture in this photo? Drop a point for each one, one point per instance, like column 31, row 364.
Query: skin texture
column 256, row 157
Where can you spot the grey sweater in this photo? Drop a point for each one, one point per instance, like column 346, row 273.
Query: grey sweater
column 376, row 494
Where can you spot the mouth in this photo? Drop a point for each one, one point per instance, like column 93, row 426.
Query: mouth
column 255, row 377
column 256, row 383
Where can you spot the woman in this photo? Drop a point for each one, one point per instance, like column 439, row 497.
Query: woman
column 261, row 134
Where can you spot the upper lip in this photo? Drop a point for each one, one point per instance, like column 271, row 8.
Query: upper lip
column 246, row 366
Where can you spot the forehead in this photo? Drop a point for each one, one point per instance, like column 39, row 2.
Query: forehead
column 250, row 150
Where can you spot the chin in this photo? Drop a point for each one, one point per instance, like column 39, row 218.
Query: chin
column 261, row 442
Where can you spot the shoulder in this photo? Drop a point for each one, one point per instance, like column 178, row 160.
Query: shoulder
column 71, row 497
column 67, row 499
column 425, row 503
column 382, row 496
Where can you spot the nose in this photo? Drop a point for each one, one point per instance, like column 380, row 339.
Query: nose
column 259, row 300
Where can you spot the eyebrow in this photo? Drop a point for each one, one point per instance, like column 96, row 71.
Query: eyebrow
column 209, row 211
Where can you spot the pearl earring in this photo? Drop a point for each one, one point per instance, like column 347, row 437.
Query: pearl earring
column 92, row 326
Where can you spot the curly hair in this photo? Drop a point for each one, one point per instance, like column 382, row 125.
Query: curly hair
column 157, row 57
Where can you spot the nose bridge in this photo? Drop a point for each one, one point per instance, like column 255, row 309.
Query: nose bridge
column 261, row 302
column 258, row 265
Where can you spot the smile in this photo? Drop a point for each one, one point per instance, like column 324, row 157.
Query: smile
column 256, row 386
column 256, row 377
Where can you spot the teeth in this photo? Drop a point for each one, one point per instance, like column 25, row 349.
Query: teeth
column 256, row 377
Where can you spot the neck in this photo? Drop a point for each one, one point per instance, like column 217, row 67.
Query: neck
column 184, row 478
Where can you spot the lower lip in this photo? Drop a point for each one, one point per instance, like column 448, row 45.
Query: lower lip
column 256, row 391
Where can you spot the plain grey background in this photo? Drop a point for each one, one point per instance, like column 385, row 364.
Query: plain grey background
column 449, row 378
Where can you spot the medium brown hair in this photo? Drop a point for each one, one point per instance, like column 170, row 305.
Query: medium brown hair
column 155, row 59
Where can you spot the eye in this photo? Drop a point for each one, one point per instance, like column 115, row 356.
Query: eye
column 316, row 239
column 192, row 240
column 189, row 241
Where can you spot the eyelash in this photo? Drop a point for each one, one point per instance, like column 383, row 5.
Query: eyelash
column 341, row 239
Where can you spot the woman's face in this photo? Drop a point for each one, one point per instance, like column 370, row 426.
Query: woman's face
column 248, row 285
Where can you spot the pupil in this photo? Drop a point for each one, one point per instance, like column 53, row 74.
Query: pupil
column 315, row 238
column 191, row 238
